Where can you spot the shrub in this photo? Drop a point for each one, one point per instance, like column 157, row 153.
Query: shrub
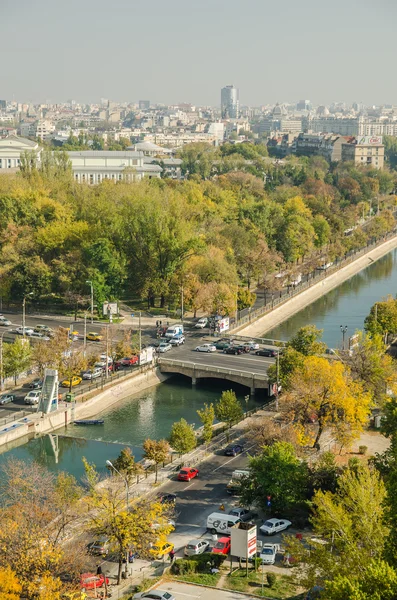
column 201, row 563
column 362, row 449
column 271, row 579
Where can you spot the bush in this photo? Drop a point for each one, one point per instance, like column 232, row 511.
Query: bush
column 257, row 562
column 201, row 563
column 271, row 579
column 362, row 449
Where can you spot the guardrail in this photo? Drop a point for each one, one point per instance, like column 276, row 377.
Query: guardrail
column 16, row 416
column 210, row 369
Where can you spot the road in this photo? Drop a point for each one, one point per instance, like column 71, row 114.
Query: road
column 185, row 591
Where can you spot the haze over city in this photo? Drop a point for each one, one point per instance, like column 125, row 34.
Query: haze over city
column 185, row 52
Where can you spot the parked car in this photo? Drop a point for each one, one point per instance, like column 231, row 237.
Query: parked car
column 94, row 337
column 44, row 329
column 272, row 526
column 161, row 549
column 28, row 330
column 178, row 340
column 187, row 473
column 232, row 350
column 164, row 347
column 222, row 546
column 245, row 348
column 128, row 361
column 268, row 553
column 6, row 399
column 245, row 514
column 166, row 498
column 4, row 322
column 32, row 397
column 195, row 547
column 93, row 373
column 36, row 384
column 90, row 581
column 234, row 449
column 153, row 595
column 201, row 323
column 267, row 352
column 71, row 383
column 99, row 547
column 253, row 345
column 205, row 348
column 222, row 344
column 41, row 335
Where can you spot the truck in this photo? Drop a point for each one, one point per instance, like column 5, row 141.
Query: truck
column 233, row 487
column 173, row 330
column 221, row 523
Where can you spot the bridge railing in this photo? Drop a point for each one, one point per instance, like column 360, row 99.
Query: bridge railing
column 210, row 368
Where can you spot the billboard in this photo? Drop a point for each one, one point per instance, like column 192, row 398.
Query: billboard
column 222, row 325
column 369, row 140
column 110, row 308
column 243, row 540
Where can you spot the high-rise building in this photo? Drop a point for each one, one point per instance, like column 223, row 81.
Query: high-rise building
column 3, row 104
column 229, row 102
column 144, row 104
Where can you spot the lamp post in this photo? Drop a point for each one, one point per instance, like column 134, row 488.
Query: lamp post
column 343, row 330
column 1, row 360
column 24, row 311
column 92, row 299
column 111, row 465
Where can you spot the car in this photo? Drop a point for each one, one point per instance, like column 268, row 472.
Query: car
column 36, row 384
column 41, row 335
column 6, row 398
column 243, row 513
column 222, row 546
column 196, row 547
column 232, row 350
column 272, row 526
column 161, row 549
column 4, row 322
column 178, row 340
column 234, row 449
column 201, row 323
column 99, row 547
column 90, row 581
column 166, row 523
column 245, row 349
column 153, row 595
column 205, row 348
column 71, row 383
column 253, row 345
column 268, row 553
column 94, row 337
column 128, row 361
column 20, row 331
column 187, row 473
column 222, row 344
column 44, row 329
column 164, row 347
column 267, row 352
column 93, row 373
column 166, row 498
column 32, row 397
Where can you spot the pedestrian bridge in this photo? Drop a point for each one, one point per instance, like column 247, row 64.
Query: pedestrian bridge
column 252, row 380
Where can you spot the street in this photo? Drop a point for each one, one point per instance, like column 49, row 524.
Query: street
column 184, row 591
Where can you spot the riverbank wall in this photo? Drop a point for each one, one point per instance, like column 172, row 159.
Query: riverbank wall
column 301, row 299
column 38, row 423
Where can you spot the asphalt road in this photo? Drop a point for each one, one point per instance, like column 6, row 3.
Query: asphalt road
column 185, row 591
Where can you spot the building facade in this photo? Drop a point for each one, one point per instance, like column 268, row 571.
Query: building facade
column 11, row 149
column 93, row 167
column 365, row 150
column 230, row 105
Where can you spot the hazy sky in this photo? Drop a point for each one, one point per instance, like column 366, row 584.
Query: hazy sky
column 183, row 51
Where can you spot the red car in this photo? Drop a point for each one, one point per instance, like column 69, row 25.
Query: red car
column 222, row 546
column 129, row 361
column 90, row 581
column 187, row 473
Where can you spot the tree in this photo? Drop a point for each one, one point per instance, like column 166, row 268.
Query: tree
column 157, row 451
column 276, row 472
column 307, row 341
column 183, row 437
column 245, row 299
column 10, row 587
column 289, row 361
column 207, row 417
column 49, row 354
column 382, row 318
column 228, row 409
column 377, row 581
column 324, row 473
column 16, row 358
column 72, row 363
column 325, row 389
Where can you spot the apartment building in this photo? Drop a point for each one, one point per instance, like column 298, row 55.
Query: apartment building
column 365, row 150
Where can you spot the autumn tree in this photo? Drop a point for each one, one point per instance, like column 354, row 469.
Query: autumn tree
column 156, row 451
column 72, row 362
column 10, row 588
column 307, row 341
column 48, row 354
column 207, row 417
column 182, row 437
column 382, row 318
column 126, row 465
column 16, row 358
column 228, row 409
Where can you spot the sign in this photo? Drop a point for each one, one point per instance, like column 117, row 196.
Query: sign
column 110, row 308
column 222, row 325
column 243, row 540
column 369, row 140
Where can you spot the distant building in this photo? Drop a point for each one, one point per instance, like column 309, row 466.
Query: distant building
column 11, row 149
column 230, row 105
column 304, row 105
column 3, row 104
column 144, row 104
column 94, row 166
column 365, row 150
column 150, row 149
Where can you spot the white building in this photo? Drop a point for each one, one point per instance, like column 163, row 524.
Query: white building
column 94, row 166
column 11, row 149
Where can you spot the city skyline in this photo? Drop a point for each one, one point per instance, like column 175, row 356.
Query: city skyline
column 170, row 55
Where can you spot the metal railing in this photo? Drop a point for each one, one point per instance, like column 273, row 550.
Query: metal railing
column 16, row 416
column 211, row 369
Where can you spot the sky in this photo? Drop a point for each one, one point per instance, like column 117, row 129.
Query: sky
column 171, row 51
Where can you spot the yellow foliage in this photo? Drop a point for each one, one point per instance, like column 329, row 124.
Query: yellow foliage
column 10, row 587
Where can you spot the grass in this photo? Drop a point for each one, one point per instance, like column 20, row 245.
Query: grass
column 201, row 578
column 282, row 590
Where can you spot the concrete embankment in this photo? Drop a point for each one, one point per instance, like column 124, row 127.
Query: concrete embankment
column 309, row 295
column 38, row 423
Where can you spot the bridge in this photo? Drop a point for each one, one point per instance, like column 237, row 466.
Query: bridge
column 252, row 378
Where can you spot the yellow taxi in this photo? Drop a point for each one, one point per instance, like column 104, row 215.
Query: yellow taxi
column 75, row 381
column 161, row 549
column 94, row 337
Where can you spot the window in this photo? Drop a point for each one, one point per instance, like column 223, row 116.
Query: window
column 9, row 163
column 76, row 176
column 1, row 163
column 99, row 178
column 120, row 177
column 83, row 178
column 91, row 179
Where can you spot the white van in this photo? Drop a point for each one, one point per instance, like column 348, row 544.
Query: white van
column 173, row 331
column 221, row 523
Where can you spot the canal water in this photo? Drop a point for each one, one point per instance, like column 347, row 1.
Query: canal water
column 346, row 305
column 149, row 414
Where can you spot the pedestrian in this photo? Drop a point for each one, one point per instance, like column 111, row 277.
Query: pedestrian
column 99, row 570
column 157, row 323
column 160, row 323
column 172, row 555
column 131, row 557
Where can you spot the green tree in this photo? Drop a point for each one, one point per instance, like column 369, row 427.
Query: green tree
column 377, row 581
column 307, row 341
column 228, row 409
column 207, row 417
column 245, row 299
column 157, row 451
column 16, row 358
column 126, row 465
column 382, row 318
column 183, row 437
column 289, row 361
column 277, row 472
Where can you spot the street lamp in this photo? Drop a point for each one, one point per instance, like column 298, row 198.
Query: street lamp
column 92, row 300
column 1, row 360
column 23, row 311
column 343, row 330
column 111, row 465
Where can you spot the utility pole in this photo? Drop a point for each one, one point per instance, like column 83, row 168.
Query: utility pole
column 107, row 352
column 1, row 361
column 277, row 376
column 182, row 304
column 85, row 333
column 140, row 336
column 92, row 300
column 24, row 312
column 343, row 330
